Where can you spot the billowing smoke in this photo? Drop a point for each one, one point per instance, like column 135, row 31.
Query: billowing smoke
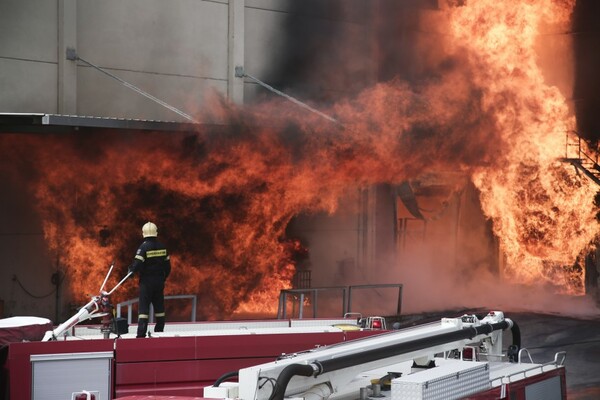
column 223, row 196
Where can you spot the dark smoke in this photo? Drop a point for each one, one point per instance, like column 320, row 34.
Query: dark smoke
column 586, row 39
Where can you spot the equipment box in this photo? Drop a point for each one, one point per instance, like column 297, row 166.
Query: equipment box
column 445, row 382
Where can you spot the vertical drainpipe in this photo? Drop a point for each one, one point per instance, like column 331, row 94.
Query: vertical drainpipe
column 235, row 51
column 67, row 69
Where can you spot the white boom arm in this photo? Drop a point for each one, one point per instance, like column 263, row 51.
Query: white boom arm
column 326, row 371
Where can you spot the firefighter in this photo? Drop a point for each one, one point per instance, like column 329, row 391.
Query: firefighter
column 154, row 266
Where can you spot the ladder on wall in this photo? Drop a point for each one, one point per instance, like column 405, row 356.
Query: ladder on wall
column 580, row 154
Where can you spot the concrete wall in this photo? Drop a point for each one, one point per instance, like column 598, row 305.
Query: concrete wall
column 176, row 51
column 27, row 266
column 179, row 51
column 28, row 58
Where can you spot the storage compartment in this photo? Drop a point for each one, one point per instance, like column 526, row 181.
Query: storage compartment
column 448, row 381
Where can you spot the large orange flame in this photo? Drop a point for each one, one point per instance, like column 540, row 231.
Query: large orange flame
column 223, row 196
column 542, row 212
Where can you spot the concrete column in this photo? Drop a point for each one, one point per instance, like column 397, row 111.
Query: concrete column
column 367, row 228
column 67, row 69
column 235, row 85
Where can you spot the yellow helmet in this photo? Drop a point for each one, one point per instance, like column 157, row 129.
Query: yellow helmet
column 149, row 230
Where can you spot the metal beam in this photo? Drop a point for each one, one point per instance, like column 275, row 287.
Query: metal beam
column 54, row 123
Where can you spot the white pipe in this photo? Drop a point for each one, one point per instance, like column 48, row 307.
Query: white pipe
column 106, row 278
column 119, row 284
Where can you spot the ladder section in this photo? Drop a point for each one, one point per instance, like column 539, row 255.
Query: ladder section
column 580, row 154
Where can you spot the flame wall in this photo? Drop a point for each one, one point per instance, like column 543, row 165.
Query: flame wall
column 222, row 198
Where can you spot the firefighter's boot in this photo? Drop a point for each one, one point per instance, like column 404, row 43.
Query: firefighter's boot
column 160, row 324
column 142, row 327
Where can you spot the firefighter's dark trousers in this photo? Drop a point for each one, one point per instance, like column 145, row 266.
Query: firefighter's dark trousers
column 151, row 292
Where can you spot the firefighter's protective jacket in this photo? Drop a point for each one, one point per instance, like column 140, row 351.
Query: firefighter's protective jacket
column 152, row 260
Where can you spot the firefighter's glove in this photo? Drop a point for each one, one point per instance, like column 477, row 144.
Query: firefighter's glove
column 130, row 269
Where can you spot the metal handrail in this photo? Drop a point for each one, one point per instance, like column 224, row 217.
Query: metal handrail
column 584, row 162
column 528, row 355
column 346, row 297
column 563, row 355
column 555, row 363
column 580, row 152
column 131, row 302
column 282, row 309
column 376, row 286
